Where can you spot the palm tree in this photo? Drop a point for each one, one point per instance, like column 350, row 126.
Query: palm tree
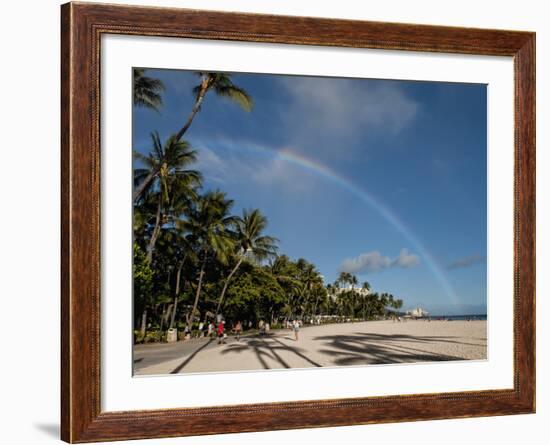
column 309, row 278
column 175, row 195
column 164, row 162
column 285, row 273
column 183, row 245
column 344, row 278
column 223, row 86
column 366, row 287
column 398, row 304
column 250, row 241
column 147, row 91
column 320, row 293
column 209, row 223
column 353, row 281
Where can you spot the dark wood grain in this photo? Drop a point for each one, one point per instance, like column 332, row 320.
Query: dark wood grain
column 82, row 26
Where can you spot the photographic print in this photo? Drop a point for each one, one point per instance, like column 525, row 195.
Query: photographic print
column 314, row 201
column 284, row 221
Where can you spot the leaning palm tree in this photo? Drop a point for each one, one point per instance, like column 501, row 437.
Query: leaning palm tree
column 163, row 161
column 209, row 222
column 175, row 185
column 249, row 242
column 147, row 90
column 223, row 86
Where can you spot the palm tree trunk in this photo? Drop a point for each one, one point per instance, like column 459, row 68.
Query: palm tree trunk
column 315, row 307
column 155, row 233
column 143, row 322
column 176, row 296
column 139, row 190
column 199, row 286
column 162, row 316
column 222, row 295
column 195, row 110
column 353, row 302
column 168, row 315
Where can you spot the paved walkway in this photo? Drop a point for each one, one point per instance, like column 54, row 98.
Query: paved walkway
column 379, row 342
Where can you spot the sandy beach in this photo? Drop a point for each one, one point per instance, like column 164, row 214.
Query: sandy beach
column 361, row 343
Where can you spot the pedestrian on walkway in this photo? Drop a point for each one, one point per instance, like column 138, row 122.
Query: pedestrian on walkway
column 296, row 328
column 187, row 332
column 238, row 330
column 221, row 333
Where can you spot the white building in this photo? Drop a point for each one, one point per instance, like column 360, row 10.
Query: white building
column 361, row 291
column 418, row 312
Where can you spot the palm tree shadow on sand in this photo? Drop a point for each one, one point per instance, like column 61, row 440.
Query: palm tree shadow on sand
column 266, row 349
column 190, row 357
column 377, row 349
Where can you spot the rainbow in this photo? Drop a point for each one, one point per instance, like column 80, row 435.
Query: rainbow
column 361, row 194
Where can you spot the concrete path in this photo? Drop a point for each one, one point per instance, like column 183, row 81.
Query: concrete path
column 379, row 342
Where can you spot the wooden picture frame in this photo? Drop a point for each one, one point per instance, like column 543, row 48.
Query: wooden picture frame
column 82, row 26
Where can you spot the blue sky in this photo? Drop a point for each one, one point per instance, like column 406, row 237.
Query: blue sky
column 384, row 179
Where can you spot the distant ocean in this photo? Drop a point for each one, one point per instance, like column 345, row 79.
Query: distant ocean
column 460, row 317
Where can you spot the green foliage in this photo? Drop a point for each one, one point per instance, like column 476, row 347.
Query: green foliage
column 143, row 277
column 223, row 86
column 253, row 294
column 147, row 91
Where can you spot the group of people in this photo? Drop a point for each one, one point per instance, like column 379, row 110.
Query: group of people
column 218, row 329
column 263, row 328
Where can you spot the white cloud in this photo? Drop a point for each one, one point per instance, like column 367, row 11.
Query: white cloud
column 366, row 262
column 239, row 162
column 328, row 115
column 406, row 260
column 467, row 261
column 211, row 165
column 375, row 261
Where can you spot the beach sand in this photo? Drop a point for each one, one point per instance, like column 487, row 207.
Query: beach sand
column 361, row 343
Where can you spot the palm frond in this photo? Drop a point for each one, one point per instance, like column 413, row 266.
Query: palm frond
column 147, row 90
column 237, row 95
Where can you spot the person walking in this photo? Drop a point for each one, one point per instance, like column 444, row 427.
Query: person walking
column 238, row 330
column 221, row 333
column 296, row 328
column 187, row 332
column 210, row 329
